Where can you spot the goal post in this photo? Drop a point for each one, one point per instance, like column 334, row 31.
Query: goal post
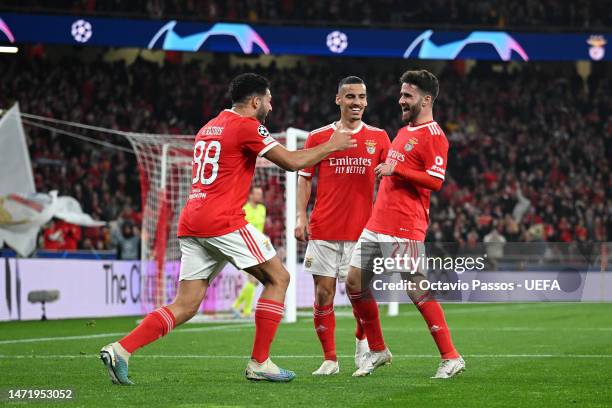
column 164, row 164
column 296, row 139
column 293, row 138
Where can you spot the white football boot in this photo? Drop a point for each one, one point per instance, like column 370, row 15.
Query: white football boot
column 329, row 367
column 371, row 361
column 450, row 368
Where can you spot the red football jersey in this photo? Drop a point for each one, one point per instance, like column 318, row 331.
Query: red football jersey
column 346, row 181
column 402, row 209
column 224, row 157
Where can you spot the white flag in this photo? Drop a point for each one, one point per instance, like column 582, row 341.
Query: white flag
column 22, row 216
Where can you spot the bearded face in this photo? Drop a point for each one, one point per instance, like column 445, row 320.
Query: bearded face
column 265, row 107
column 411, row 102
column 411, row 111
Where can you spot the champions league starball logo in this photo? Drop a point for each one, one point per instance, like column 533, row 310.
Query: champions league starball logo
column 597, row 50
column 81, row 31
column 337, row 42
column 263, row 132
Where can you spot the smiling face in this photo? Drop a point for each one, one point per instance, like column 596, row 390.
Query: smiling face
column 413, row 101
column 352, row 100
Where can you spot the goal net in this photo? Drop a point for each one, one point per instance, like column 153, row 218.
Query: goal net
column 165, row 169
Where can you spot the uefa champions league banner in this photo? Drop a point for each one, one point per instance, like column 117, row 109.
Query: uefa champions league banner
column 333, row 41
column 99, row 288
column 492, row 272
column 224, row 288
column 86, row 288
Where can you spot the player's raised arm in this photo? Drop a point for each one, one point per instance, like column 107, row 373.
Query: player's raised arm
column 295, row 160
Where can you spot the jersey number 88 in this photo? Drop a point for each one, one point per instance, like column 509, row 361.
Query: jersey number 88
column 202, row 151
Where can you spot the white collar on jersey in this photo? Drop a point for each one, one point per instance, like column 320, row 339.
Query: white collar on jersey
column 357, row 130
column 232, row 111
column 411, row 128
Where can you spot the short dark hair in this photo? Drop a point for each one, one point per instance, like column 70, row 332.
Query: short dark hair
column 246, row 85
column 424, row 80
column 350, row 80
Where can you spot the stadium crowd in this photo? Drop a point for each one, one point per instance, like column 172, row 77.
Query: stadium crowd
column 529, row 154
column 531, row 14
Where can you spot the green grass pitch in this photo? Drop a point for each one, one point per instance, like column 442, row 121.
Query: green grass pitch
column 518, row 355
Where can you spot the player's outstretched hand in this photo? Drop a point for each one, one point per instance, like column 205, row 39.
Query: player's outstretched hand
column 384, row 169
column 342, row 139
column 301, row 230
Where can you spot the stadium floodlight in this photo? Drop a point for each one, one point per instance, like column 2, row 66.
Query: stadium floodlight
column 9, row 49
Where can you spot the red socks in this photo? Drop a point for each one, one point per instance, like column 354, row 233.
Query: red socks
column 325, row 326
column 434, row 317
column 268, row 315
column 365, row 310
column 156, row 324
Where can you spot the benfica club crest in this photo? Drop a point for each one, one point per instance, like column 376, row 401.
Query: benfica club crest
column 597, row 50
column 370, row 146
column 308, row 262
column 410, row 145
column 267, row 244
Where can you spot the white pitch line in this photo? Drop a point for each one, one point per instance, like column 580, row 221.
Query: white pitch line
column 240, row 326
column 452, row 328
column 468, row 309
column 218, row 357
column 95, row 336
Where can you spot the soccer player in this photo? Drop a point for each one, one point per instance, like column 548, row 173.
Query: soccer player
column 256, row 216
column 415, row 166
column 345, row 192
column 212, row 229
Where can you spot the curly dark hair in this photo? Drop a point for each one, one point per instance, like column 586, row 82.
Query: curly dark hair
column 246, row 85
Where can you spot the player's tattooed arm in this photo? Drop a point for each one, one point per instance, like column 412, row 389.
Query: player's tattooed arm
column 418, row 178
column 304, row 190
column 340, row 140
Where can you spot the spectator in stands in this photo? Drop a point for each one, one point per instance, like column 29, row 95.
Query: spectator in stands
column 516, row 160
column 508, row 13
column 495, row 242
column 60, row 235
column 127, row 242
